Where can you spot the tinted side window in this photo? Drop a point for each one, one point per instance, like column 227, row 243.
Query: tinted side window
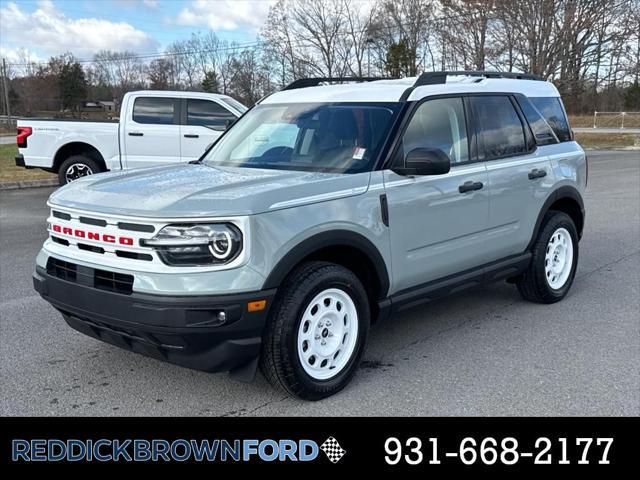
column 552, row 111
column 439, row 123
column 501, row 130
column 158, row 111
column 208, row 114
column 542, row 132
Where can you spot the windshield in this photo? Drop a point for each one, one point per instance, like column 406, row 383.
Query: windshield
column 339, row 138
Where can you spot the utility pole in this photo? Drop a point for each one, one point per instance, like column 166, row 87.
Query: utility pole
column 6, row 92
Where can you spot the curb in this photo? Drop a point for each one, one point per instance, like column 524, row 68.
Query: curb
column 47, row 182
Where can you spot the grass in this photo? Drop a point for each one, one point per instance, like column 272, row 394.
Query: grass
column 605, row 140
column 605, row 121
column 10, row 173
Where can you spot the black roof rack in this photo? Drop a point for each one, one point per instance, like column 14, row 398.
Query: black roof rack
column 314, row 82
column 435, row 78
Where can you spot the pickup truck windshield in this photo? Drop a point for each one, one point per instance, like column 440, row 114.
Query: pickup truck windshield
column 337, row 138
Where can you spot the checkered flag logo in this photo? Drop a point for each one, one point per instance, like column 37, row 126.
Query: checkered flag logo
column 333, row 450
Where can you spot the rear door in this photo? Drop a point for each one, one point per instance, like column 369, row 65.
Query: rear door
column 520, row 175
column 203, row 121
column 152, row 132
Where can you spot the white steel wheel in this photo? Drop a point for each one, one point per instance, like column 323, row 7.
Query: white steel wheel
column 558, row 260
column 328, row 334
column 77, row 170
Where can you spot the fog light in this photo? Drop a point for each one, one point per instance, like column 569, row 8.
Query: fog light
column 222, row 317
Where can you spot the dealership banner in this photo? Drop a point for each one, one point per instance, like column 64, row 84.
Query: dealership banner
column 388, row 444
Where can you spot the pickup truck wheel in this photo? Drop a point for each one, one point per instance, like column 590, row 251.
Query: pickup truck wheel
column 554, row 261
column 75, row 167
column 317, row 331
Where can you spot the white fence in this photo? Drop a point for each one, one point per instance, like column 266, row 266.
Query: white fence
column 616, row 120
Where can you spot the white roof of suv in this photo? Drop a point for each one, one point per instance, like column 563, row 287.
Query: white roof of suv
column 392, row 90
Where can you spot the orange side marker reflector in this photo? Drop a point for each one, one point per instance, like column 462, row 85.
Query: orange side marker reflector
column 256, row 306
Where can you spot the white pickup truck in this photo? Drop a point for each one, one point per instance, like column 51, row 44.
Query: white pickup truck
column 155, row 128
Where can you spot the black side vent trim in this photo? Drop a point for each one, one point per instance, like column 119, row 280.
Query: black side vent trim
column 384, row 209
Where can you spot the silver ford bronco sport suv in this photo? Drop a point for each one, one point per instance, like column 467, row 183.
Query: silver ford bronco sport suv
column 324, row 209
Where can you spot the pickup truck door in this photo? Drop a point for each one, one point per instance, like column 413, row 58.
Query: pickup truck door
column 437, row 223
column 203, row 121
column 151, row 132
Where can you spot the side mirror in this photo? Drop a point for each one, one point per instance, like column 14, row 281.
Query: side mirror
column 425, row 161
column 225, row 126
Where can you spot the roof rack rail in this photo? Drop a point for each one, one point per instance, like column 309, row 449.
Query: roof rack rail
column 314, row 82
column 435, row 78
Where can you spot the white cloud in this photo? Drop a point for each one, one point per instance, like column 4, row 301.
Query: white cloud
column 225, row 14
column 51, row 32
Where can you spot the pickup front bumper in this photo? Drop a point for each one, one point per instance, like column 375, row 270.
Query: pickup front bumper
column 184, row 330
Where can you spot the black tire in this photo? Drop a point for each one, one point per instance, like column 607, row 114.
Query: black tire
column 83, row 162
column 533, row 284
column 279, row 361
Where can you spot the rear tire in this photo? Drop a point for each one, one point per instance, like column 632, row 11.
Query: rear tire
column 316, row 332
column 554, row 260
column 77, row 166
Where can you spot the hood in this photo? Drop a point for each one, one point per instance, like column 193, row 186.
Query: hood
column 187, row 190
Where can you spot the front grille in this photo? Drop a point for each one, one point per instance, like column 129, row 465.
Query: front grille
column 61, row 269
column 90, row 277
column 113, row 282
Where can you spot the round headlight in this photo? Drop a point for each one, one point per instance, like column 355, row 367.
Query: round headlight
column 222, row 245
column 197, row 244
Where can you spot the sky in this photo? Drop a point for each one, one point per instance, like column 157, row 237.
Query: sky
column 83, row 27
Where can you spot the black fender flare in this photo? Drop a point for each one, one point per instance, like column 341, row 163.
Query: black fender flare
column 332, row 238
column 565, row 191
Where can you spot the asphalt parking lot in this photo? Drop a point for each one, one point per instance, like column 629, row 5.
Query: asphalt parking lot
column 481, row 352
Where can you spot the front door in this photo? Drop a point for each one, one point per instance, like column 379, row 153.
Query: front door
column 437, row 223
column 204, row 122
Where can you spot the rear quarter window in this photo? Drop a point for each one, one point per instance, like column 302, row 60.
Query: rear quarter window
column 542, row 132
column 553, row 112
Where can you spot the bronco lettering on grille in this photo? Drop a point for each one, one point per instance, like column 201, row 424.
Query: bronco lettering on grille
column 104, row 237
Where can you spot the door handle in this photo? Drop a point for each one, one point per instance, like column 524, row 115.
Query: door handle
column 136, row 134
column 470, row 186
column 191, row 135
column 537, row 173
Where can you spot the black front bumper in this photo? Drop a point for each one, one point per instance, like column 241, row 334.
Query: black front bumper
column 182, row 330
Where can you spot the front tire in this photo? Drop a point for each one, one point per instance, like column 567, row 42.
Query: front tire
column 316, row 332
column 77, row 166
column 554, row 261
